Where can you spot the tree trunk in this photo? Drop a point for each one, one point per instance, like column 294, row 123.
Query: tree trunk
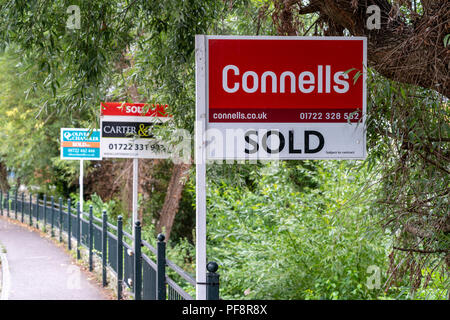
column 4, row 185
column 173, row 197
column 176, row 184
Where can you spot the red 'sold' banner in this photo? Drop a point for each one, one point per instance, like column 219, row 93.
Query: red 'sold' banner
column 133, row 109
column 310, row 80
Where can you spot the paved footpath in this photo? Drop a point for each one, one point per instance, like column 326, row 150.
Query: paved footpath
column 40, row 270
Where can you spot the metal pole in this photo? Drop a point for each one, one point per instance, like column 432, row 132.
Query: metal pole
column 81, row 182
column 31, row 209
column 7, row 203
column 135, row 191
column 161, row 268
column 137, row 283
column 91, row 238
column 61, row 226
column 69, row 224
column 37, row 210
column 22, row 206
column 200, row 165
column 104, row 246
column 78, row 231
column 53, row 216
column 45, row 213
column 119, row 257
column 212, row 280
column 15, row 204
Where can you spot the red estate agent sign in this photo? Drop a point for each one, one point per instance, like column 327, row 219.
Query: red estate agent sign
column 294, row 97
column 278, row 80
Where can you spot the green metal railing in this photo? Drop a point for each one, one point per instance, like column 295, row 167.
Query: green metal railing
column 146, row 279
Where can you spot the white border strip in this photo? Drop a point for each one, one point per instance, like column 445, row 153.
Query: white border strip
column 201, row 99
column 284, row 37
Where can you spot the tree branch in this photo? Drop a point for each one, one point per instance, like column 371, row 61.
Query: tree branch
column 311, row 8
column 407, row 52
column 422, row 251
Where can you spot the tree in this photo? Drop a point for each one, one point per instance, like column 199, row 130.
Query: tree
column 29, row 133
column 408, row 47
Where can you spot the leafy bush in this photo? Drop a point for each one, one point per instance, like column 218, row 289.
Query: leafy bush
column 98, row 206
column 277, row 242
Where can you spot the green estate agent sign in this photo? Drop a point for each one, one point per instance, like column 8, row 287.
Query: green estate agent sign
column 80, row 144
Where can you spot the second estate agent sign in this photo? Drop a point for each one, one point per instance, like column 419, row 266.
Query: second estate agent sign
column 285, row 97
column 126, row 130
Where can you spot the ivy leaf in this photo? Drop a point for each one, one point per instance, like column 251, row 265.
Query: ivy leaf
column 356, row 77
column 447, row 40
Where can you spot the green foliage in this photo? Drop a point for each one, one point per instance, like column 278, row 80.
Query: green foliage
column 184, row 223
column 437, row 286
column 408, row 132
column 26, row 137
column 30, row 134
column 277, row 242
column 446, row 40
column 98, row 206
